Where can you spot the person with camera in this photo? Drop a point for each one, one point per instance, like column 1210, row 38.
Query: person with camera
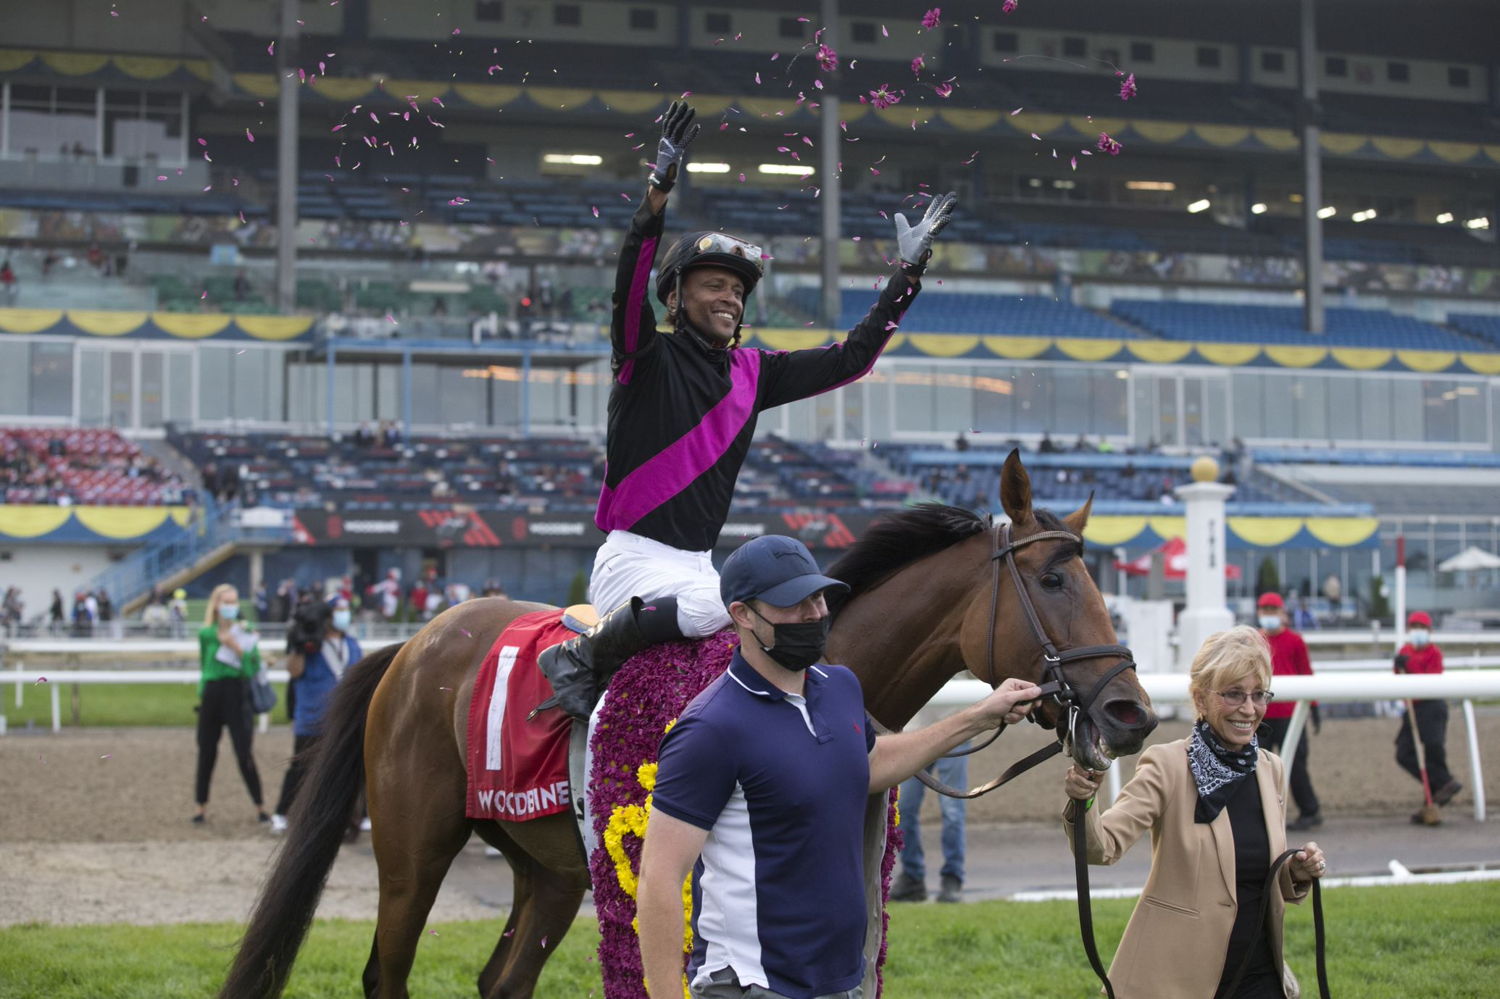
column 319, row 648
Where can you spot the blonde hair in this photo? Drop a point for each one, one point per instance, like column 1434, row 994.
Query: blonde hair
column 1241, row 653
column 211, row 612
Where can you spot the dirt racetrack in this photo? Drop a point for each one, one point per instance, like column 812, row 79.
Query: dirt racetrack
column 94, row 822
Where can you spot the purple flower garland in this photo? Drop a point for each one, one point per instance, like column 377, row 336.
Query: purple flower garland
column 647, row 694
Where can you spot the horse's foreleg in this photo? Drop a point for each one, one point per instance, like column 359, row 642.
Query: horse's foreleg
column 412, row 857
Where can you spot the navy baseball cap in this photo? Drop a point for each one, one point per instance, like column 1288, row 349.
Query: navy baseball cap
column 773, row 568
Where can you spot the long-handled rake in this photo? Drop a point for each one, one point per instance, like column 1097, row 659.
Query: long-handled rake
column 1429, row 814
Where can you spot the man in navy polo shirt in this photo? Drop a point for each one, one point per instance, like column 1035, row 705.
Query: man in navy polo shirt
column 761, row 790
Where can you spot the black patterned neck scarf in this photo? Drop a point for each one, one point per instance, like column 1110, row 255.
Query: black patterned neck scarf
column 1217, row 769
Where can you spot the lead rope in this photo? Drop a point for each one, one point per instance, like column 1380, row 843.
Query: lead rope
column 1318, row 933
column 1085, row 898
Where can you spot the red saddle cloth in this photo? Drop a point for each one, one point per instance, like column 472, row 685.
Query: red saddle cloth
column 518, row 768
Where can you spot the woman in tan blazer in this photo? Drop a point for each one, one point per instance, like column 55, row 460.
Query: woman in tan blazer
column 1213, row 805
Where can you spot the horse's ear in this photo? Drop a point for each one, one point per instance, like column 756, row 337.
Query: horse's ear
column 1079, row 519
column 1015, row 490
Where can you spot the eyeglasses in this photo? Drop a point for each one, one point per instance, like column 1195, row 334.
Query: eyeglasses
column 1237, row 697
column 718, row 242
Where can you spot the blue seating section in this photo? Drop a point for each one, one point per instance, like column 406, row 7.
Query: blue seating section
column 1484, row 326
column 1277, row 324
column 962, row 312
column 1375, row 456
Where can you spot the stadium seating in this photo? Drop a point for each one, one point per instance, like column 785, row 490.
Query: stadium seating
column 93, row 467
column 1277, row 324
column 960, row 312
column 1485, row 326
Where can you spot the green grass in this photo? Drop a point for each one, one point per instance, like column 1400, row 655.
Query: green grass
column 1427, row 940
column 112, row 705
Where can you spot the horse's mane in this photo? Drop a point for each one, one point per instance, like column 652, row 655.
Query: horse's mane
column 898, row 539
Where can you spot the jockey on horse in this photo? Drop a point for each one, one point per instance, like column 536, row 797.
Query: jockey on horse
column 682, row 412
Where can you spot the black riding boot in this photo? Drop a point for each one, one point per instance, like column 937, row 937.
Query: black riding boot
column 580, row 668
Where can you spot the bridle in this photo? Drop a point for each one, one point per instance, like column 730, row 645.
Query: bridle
column 1055, row 685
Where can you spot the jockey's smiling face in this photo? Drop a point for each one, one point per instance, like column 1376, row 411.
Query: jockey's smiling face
column 713, row 300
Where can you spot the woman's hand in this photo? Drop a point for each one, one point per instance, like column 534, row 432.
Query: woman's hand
column 1080, row 784
column 1308, row 863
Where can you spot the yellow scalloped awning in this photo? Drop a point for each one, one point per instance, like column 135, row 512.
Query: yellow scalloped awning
column 102, row 323
column 1280, row 139
column 1399, row 149
column 1454, row 152
column 257, row 84
column 1168, row 527
column 343, row 88
column 970, row 121
column 766, row 107
column 1222, row 135
column 1426, row 360
column 29, row 320
column 1342, row 144
column 22, row 521
column 1228, row 354
column 1342, row 532
column 1033, row 121
column 631, row 101
column 1265, row 532
column 565, row 98
column 75, row 63
column 1159, row 131
column 791, row 339
column 274, row 327
column 1112, row 531
column 943, row 344
column 1089, row 348
column 191, row 326
column 1159, row 351
column 121, row 522
column 1017, row 348
column 1484, row 364
column 487, row 94
column 146, row 67
column 1361, row 358
column 1091, row 125
column 13, row 59
column 1296, row 357
column 420, row 89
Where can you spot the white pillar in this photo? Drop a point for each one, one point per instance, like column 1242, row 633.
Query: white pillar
column 1207, row 609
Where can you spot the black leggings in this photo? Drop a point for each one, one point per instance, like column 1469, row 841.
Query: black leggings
column 225, row 703
column 295, row 772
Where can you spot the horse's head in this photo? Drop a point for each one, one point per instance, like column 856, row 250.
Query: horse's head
column 1043, row 555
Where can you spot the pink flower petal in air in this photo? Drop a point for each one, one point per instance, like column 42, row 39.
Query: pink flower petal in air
column 1127, row 88
column 932, row 18
column 1009, row 6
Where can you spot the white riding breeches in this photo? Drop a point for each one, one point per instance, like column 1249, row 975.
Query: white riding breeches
column 629, row 565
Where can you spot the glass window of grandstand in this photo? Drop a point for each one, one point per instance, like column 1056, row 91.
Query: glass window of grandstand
column 1398, row 72
column 1458, row 77
column 792, row 27
column 1075, row 47
column 242, row 384
column 36, row 379
column 489, row 11
column 51, row 123
column 1273, row 62
column 862, row 32
column 569, row 15
column 717, row 22
column 642, row 19
column 1209, row 56
column 1336, row 66
column 1142, row 52
column 144, row 126
column 1350, row 408
column 1006, row 41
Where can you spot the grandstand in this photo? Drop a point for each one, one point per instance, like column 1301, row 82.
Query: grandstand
column 455, row 239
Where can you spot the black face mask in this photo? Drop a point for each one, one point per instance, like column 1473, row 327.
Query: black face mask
column 798, row 645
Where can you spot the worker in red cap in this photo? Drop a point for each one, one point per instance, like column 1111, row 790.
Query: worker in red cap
column 1288, row 658
column 1420, row 655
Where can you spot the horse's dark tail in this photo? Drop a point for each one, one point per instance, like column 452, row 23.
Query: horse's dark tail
column 315, row 828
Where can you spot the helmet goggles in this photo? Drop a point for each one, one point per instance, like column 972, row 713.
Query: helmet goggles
column 711, row 249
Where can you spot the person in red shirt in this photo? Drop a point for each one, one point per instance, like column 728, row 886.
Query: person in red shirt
column 1419, row 655
column 1288, row 658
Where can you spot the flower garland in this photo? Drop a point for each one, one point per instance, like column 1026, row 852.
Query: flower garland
column 645, row 698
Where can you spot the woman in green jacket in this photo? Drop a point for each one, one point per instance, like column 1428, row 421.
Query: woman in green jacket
column 227, row 660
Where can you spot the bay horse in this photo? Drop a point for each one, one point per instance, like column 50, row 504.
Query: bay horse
column 924, row 603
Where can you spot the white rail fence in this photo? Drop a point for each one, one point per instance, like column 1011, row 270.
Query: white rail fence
column 1354, row 680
